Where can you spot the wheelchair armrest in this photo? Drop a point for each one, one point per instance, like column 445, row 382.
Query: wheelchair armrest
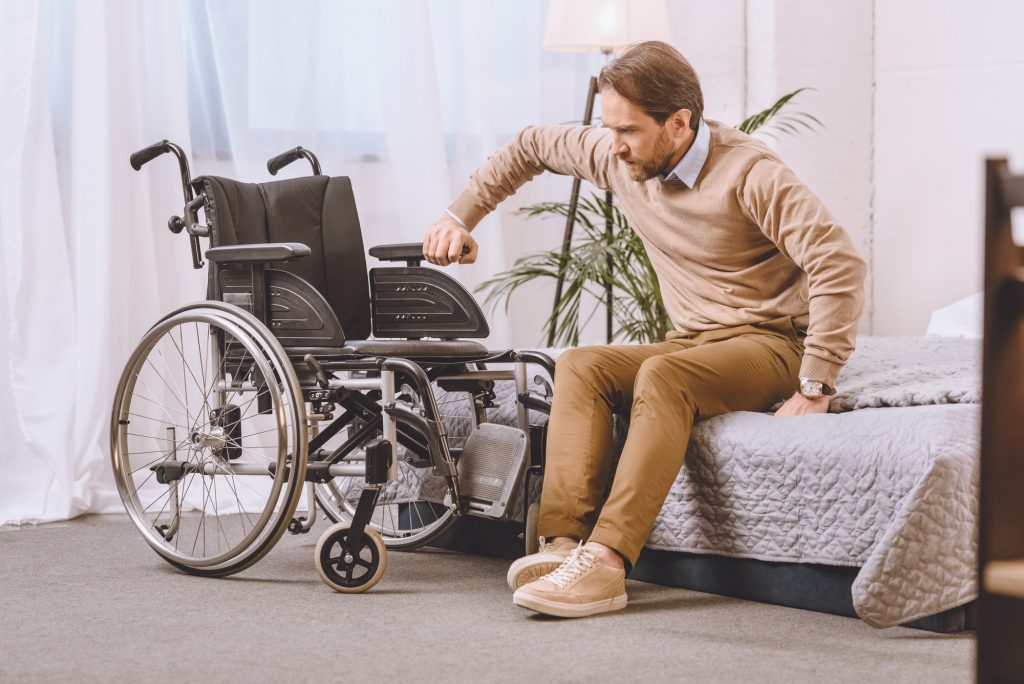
column 409, row 252
column 267, row 252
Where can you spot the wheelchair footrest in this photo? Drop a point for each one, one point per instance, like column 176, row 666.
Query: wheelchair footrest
column 491, row 468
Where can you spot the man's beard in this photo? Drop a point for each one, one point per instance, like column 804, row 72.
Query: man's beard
column 643, row 170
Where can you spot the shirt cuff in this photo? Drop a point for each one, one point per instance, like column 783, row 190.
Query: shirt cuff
column 820, row 370
column 467, row 207
column 455, row 218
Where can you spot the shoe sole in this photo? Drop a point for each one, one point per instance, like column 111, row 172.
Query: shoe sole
column 524, row 574
column 568, row 610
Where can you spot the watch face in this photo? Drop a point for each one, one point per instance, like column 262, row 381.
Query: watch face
column 810, row 389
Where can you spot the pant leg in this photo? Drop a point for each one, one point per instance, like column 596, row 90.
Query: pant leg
column 750, row 371
column 591, row 384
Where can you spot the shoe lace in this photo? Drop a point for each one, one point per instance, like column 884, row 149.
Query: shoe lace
column 580, row 560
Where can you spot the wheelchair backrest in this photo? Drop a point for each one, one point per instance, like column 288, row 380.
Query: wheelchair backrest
column 317, row 211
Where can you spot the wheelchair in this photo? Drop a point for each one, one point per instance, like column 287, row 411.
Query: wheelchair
column 305, row 372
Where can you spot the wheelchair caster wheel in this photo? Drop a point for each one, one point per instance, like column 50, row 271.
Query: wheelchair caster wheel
column 164, row 531
column 532, row 540
column 346, row 569
column 295, row 526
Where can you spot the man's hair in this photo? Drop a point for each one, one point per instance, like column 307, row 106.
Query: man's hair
column 657, row 79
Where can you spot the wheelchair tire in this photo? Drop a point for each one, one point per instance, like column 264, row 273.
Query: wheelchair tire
column 346, row 570
column 210, row 498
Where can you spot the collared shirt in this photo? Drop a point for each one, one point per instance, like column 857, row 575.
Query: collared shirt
column 692, row 162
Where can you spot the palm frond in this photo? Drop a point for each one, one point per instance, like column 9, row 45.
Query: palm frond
column 769, row 118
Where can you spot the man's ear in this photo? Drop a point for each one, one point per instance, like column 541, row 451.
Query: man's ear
column 679, row 122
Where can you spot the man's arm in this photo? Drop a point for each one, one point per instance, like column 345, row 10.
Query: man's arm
column 792, row 217
column 581, row 151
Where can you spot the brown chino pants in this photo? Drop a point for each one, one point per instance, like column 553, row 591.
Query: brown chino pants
column 664, row 387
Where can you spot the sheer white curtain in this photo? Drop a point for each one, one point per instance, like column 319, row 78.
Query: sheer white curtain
column 404, row 97
column 81, row 270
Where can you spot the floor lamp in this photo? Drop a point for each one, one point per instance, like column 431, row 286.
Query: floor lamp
column 597, row 26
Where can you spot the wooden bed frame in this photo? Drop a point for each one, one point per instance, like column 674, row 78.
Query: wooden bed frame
column 1001, row 534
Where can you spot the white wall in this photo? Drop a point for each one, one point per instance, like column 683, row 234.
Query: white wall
column 826, row 46
column 949, row 92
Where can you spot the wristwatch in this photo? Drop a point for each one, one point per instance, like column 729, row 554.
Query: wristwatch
column 812, row 389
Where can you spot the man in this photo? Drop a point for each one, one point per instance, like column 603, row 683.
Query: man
column 763, row 287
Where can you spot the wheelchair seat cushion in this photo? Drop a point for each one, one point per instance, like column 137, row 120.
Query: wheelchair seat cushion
column 416, row 349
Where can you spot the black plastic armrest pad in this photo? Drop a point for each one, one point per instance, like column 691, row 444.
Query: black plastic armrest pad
column 271, row 251
column 408, row 251
column 402, row 252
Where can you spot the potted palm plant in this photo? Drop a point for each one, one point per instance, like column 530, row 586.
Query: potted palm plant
column 601, row 259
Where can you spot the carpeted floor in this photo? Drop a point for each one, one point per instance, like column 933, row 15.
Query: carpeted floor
column 88, row 601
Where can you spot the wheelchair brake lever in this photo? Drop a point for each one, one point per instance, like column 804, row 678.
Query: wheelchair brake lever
column 314, row 365
column 543, row 382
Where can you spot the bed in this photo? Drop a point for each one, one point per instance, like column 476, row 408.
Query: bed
column 869, row 510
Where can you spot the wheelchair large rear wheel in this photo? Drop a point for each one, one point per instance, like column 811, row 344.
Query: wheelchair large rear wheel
column 208, row 439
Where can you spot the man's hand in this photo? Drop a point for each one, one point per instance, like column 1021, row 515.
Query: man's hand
column 799, row 405
column 444, row 241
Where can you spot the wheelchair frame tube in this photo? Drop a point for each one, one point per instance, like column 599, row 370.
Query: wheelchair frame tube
column 521, row 412
column 441, row 451
column 390, row 427
column 173, row 456
column 306, row 523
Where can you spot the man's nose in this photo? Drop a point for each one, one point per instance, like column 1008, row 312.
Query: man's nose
column 621, row 148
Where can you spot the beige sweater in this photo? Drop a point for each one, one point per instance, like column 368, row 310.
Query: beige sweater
column 747, row 244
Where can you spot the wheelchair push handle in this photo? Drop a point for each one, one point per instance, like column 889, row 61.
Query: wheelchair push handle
column 176, row 223
column 148, row 154
column 275, row 164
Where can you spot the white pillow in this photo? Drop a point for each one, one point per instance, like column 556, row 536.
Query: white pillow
column 962, row 318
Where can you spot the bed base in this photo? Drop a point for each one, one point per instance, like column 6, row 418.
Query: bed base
column 817, row 587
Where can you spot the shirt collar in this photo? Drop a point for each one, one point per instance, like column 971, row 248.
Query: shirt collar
column 692, row 162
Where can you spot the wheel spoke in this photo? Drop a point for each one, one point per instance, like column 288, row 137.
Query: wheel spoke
column 188, row 416
column 185, row 367
column 193, row 438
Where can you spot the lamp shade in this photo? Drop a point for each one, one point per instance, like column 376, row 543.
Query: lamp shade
column 603, row 25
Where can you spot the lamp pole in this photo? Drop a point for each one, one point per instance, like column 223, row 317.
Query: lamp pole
column 570, row 223
column 598, row 26
column 609, row 229
column 570, row 218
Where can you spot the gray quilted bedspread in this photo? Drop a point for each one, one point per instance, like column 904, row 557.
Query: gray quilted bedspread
column 890, row 487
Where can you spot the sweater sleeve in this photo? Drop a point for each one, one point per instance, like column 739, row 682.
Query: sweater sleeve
column 793, row 218
column 581, row 151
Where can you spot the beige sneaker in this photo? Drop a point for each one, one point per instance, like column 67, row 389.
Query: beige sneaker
column 582, row 585
column 528, row 568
